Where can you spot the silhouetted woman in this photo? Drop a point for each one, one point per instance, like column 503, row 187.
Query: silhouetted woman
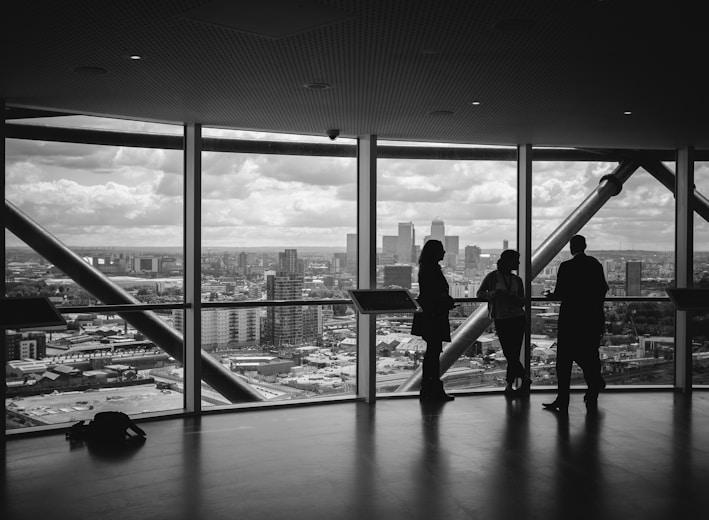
column 432, row 324
column 504, row 291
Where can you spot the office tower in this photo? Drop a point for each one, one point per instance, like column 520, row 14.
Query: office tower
column 243, row 263
column 339, row 261
column 388, row 255
column 472, row 257
column 398, row 275
column 452, row 248
column 288, row 261
column 438, row 231
column 633, row 275
column 284, row 325
column 505, row 245
column 452, row 245
column 389, row 245
column 405, row 243
column 312, row 323
column 351, row 265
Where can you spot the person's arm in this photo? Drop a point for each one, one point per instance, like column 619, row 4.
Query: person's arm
column 520, row 295
column 557, row 293
column 487, row 287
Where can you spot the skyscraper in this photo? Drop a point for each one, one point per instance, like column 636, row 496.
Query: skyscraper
column 472, row 257
column 505, row 245
column 633, row 275
column 243, row 263
column 284, row 325
column 288, row 261
column 389, row 244
column 405, row 243
column 389, row 252
column 438, row 231
column 452, row 245
column 339, row 261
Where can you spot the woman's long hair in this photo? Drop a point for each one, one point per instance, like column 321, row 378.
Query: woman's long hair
column 508, row 260
column 430, row 252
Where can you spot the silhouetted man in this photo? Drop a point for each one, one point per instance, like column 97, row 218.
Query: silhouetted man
column 581, row 287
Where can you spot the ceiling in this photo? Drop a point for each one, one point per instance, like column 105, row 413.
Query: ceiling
column 545, row 72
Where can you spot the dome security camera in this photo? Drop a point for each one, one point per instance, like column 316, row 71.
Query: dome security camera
column 333, row 133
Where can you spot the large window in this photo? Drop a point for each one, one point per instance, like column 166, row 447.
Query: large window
column 280, row 226
column 470, row 206
column 638, row 345
column 95, row 225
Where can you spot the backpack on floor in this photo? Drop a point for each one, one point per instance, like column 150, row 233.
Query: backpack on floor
column 110, row 428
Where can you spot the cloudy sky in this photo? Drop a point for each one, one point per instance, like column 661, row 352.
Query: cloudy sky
column 113, row 196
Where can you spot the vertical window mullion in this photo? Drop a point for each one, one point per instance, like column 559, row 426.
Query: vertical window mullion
column 192, row 269
column 366, row 263
column 524, row 238
column 684, row 191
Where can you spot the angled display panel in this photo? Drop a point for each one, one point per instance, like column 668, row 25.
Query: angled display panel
column 380, row 301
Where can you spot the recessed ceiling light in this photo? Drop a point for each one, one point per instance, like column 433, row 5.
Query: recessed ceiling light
column 90, row 71
column 476, row 103
column 317, row 86
column 515, row 24
column 627, row 113
column 135, row 57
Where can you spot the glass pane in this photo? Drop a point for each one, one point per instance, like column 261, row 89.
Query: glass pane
column 102, row 123
column 470, row 206
column 321, row 363
column 636, row 264
column 278, row 227
column 99, row 363
column 118, row 209
column 108, row 223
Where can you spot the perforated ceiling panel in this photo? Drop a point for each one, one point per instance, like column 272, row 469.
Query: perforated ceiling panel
column 544, row 72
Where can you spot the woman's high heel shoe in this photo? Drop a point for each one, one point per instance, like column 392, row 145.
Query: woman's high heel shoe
column 524, row 387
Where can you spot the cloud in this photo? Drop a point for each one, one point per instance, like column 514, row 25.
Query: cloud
column 98, row 194
column 65, row 205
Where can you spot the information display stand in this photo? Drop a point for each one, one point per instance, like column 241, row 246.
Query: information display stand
column 689, row 299
column 30, row 313
column 384, row 301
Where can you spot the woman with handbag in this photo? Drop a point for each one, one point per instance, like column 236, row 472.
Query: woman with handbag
column 432, row 324
column 504, row 292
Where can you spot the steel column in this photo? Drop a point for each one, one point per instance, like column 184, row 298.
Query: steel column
column 475, row 325
column 524, row 240
column 366, row 263
column 684, row 274
column 699, row 202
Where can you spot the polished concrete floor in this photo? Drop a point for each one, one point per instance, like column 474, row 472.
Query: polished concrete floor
column 642, row 456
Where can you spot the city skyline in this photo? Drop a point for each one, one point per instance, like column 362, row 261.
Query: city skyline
column 87, row 195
